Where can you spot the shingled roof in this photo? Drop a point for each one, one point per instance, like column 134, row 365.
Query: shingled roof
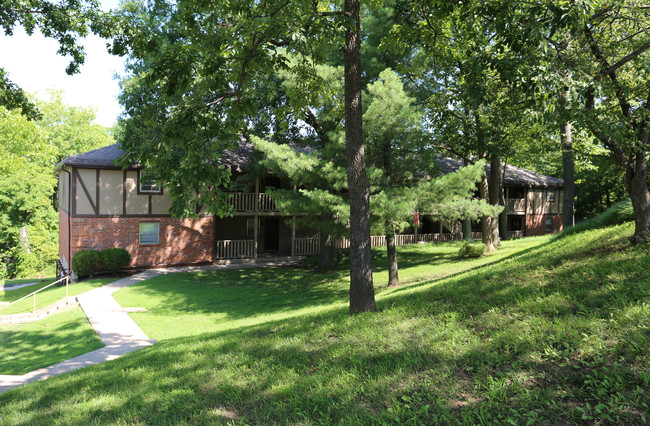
column 237, row 158
column 515, row 176
column 97, row 158
column 106, row 157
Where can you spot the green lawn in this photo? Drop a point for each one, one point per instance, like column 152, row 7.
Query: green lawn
column 181, row 305
column 26, row 280
column 46, row 297
column 26, row 347
column 546, row 331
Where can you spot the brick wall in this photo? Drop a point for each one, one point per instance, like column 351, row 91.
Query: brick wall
column 536, row 224
column 181, row 241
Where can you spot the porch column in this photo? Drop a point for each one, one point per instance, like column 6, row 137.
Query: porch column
column 293, row 237
column 256, row 216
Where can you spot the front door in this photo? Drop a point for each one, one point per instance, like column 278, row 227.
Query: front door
column 271, row 234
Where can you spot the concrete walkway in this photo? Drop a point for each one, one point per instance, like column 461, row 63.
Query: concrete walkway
column 119, row 333
column 9, row 287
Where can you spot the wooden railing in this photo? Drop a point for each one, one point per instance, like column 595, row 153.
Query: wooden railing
column 235, row 249
column 514, row 234
column 402, row 240
column 516, row 205
column 306, row 246
column 446, row 236
column 245, row 202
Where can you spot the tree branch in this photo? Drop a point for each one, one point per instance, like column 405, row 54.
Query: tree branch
column 620, row 94
column 11, row 9
column 314, row 4
column 610, row 143
column 625, row 59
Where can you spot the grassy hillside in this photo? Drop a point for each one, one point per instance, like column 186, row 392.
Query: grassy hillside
column 26, row 347
column 46, row 297
column 556, row 331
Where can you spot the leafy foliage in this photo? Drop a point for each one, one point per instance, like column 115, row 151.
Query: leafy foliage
column 114, row 259
column 86, row 262
column 63, row 21
column 29, row 150
column 471, row 251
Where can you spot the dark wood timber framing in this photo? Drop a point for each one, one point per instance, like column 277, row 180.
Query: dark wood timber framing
column 97, row 191
column 93, row 205
column 73, row 192
column 124, row 192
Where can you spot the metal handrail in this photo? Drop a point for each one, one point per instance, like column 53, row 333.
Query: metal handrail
column 66, row 279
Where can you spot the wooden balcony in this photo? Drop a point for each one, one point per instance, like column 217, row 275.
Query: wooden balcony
column 252, row 202
column 516, row 205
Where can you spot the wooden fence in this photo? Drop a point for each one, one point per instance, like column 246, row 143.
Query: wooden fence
column 402, row 240
column 240, row 249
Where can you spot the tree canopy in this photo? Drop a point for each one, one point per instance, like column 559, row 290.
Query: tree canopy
column 29, row 150
column 64, row 21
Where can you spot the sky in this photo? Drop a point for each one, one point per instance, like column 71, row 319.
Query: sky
column 33, row 64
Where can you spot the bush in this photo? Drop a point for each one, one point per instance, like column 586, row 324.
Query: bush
column 115, row 258
column 86, row 262
column 468, row 251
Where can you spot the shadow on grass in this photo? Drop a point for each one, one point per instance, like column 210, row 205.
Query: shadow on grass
column 27, row 347
column 518, row 341
column 238, row 293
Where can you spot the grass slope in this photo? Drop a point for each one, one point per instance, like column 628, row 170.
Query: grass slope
column 555, row 332
column 46, row 297
column 181, row 305
column 26, row 347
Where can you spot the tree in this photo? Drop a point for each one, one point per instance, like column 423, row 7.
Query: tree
column 610, row 44
column 63, row 21
column 319, row 200
column 395, row 138
column 196, row 73
column 474, row 110
column 29, row 150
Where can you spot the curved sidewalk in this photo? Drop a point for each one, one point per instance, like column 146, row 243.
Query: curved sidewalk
column 119, row 333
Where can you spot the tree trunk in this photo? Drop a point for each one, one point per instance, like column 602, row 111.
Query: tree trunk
column 362, row 293
column 503, row 216
column 393, row 279
column 467, row 230
column 326, row 257
column 568, row 168
column 636, row 177
column 486, row 221
column 494, row 189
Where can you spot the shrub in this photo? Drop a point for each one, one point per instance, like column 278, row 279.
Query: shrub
column 341, row 255
column 86, row 262
column 468, row 250
column 115, row 258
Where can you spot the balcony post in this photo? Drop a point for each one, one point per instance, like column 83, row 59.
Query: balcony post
column 256, row 217
column 293, row 237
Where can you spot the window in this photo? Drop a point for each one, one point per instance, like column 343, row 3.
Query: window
column 550, row 196
column 549, row 224
column 149, row 232
column 147, row 184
